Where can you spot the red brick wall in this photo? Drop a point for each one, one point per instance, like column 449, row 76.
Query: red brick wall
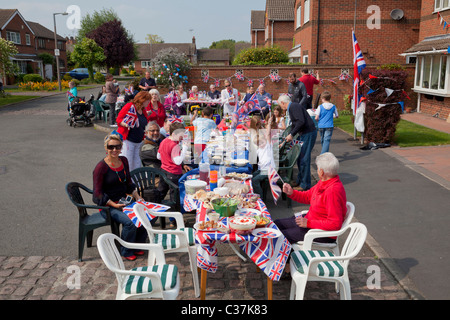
column 429, row 24
column 432, row 106
column 259, row 38
column 338, row 90
column 283, row 33
column 18, row 25
column 380, row 46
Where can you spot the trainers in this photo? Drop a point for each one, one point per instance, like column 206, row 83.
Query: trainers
column 113, row 125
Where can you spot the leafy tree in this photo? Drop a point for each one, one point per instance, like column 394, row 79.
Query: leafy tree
column 225, row 44
column 92, row 22
column 170, row 66
column 7, row 50
column 88, row 53
column 154, row 38
column 112, row 37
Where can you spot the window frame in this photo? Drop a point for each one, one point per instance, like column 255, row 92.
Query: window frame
column 299, row 16
column 306, row 11
column 16, row 36
column 443, row 82
column 439, row 5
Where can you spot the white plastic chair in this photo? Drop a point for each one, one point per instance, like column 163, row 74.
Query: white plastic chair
column 328, row 246
column 156, row 280
column 321, row 265
column 181, row 239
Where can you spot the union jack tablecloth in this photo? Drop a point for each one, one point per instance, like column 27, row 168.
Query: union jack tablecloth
column 268, row 253
column 149, row 208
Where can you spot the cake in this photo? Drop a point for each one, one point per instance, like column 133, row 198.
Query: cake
column 242, row 225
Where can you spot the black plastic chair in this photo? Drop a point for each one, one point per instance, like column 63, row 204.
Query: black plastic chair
column 146, row 180
column 88, row 223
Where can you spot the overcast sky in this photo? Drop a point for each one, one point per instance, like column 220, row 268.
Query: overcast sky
column 173, row 20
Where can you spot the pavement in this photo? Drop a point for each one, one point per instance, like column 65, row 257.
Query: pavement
column 374, row 273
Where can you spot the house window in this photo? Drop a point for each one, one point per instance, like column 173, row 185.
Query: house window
column 431, row 74
column 305, row 59
column 441, row 5
column 60, row 45
column 14, row 37
column 28, row 39
column 146, row 64
column 41, row 43
column 306, row 14
column 299, row 16
column 22, row 65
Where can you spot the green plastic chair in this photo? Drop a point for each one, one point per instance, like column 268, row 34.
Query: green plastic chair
column 146, row 180
column 100, row 110
column 88, row 223
column 287, row 171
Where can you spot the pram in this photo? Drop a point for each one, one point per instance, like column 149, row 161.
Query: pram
column 81, row 112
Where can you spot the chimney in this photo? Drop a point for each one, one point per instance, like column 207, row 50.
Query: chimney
column 193, row 40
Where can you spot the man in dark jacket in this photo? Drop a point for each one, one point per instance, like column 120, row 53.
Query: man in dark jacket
column 301, row 124
column 297, row 90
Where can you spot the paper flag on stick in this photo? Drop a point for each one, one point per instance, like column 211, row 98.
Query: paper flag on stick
column 372, row 77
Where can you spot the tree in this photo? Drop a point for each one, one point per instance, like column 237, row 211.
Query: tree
column 225, row 44
column 7, row 51
column 92, row 22
column 154, row 38
column 88, row 53
column 170, row 66
column 112, row 37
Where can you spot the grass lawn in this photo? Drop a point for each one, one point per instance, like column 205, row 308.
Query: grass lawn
column 408, row 134
column 13, row 99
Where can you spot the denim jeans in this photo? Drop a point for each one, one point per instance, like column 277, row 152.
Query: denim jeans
column 129, row 231
column 325, row 138
column 257, row 180
column 304, row 160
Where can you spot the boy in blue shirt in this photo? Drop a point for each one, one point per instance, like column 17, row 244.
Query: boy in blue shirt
column 324, row 117
column 203, row 127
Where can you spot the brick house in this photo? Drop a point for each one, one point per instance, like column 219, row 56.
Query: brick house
column 323, row 30
column 257, row 28
column 431, row 82
column 31, row 39
column 279, row 23
column 147, row 51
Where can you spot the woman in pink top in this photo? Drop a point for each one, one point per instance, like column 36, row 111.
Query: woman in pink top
column 327, row 200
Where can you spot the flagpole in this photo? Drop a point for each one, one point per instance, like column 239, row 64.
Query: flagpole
column 354, row 29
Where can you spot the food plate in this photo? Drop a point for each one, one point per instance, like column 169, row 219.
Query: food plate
column 201, row 227
column 269, row 233
column 247, row 212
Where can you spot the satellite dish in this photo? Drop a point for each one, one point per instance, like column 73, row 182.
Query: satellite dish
column 397, row 14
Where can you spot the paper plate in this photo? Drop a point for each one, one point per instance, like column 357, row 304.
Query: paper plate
column 266, row 233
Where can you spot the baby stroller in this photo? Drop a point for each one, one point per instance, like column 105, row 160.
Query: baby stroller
column 81, row 112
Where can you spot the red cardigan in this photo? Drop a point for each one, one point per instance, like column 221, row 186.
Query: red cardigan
column 123, row 112
column 159, row 116
column 328, row 204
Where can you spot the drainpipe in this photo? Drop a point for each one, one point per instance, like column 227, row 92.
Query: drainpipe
column 273, row 21
column 418, row 103
column 318, row 30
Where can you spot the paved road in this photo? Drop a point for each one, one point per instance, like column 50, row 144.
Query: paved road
column 39, row 154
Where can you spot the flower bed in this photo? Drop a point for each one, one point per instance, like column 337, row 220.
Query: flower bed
column 43, row 86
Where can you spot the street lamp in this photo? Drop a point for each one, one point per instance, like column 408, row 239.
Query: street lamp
column 56, row 48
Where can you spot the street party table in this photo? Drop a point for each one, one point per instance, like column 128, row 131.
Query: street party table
column 266, row 247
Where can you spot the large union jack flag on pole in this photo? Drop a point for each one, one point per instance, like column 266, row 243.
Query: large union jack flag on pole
column 358, row 65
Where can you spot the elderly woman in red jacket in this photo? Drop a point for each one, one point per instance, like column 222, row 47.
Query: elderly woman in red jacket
column 327, row 200
column 155, row 109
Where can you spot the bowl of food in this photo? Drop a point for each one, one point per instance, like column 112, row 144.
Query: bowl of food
column 192, row 186
column 261, row 221
column 226, row 207
column 242, row 225
column 240, row 162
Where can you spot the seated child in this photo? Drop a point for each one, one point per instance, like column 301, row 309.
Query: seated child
column 171, row 156
column 265, row 157
column 203, row 127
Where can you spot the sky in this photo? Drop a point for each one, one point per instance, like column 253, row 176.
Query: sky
column 176, row 21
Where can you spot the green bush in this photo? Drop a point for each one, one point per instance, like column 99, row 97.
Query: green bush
column 99, row 77
column 67, row 77
column 32, row 77
column 261, row 56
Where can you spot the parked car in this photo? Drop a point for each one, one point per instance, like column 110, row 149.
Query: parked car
column 79, row 73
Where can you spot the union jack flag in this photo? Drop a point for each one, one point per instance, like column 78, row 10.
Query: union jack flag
column 252, row 104
column 149, row 208
column 269, row 101
column 217, row 83
column 239, row 76
column 131, row 118
column 273, row 179
column 358, row 65
column 173, row 118
column 275, row 77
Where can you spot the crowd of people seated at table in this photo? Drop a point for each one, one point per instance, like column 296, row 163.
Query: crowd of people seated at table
column 150, row 136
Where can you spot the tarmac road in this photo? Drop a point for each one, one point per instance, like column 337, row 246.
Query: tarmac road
column 406, row 213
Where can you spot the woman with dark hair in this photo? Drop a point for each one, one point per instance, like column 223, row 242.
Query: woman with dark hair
column 131, row 121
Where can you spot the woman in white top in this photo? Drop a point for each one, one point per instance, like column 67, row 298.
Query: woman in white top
column 230, row 97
